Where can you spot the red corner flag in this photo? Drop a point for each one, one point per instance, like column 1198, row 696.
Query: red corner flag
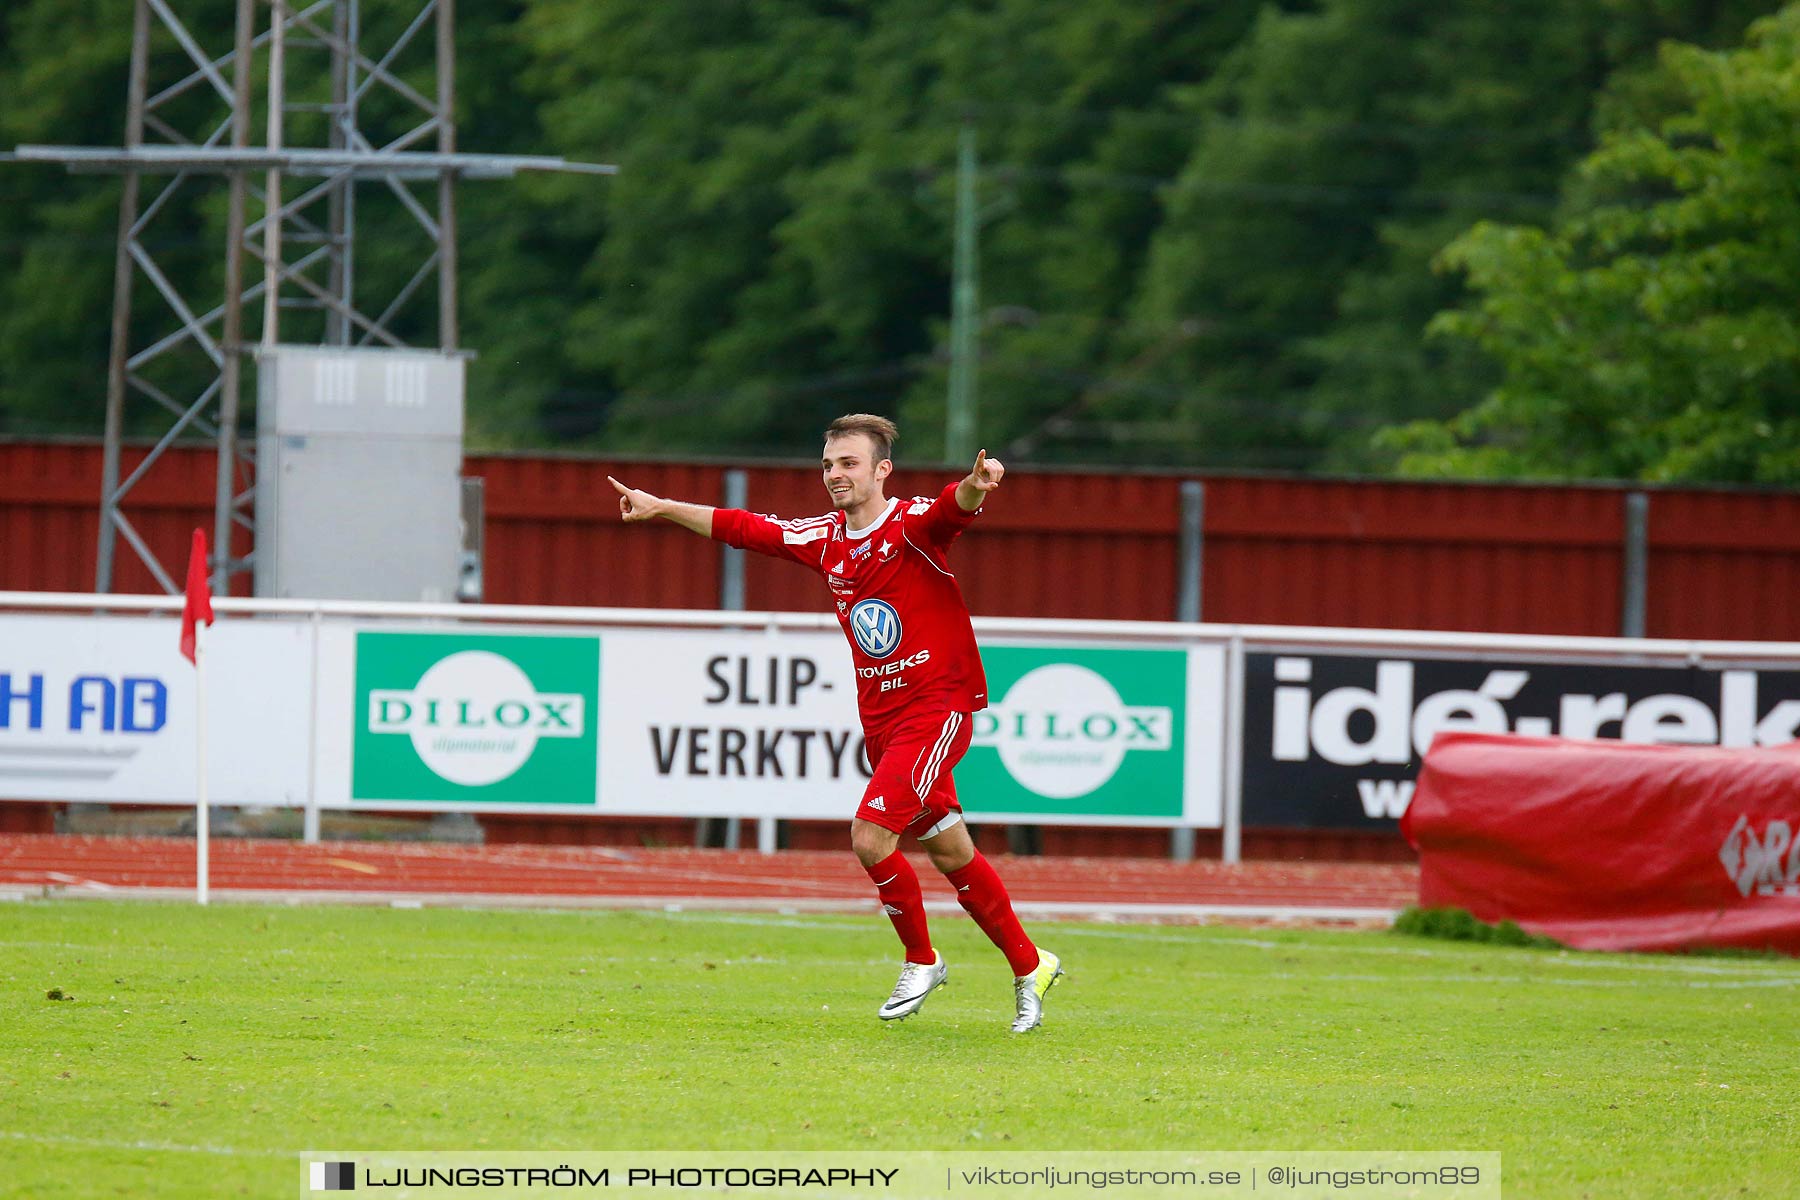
column 199, row 597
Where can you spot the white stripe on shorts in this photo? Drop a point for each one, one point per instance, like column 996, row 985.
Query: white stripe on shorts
column 922, row 780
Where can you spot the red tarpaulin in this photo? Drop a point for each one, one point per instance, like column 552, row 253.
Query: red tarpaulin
column 1610, row 846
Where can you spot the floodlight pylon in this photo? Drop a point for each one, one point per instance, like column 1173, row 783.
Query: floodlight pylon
column 308, row 261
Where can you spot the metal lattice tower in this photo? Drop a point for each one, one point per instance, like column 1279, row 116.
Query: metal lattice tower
column 194, row 130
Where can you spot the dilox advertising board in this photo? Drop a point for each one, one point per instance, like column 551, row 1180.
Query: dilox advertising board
column 748, row 724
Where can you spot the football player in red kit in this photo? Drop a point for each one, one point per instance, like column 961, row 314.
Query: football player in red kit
column 918, row 680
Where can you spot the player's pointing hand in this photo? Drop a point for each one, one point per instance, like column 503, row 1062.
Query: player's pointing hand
column 633, row 504
column 987, row 473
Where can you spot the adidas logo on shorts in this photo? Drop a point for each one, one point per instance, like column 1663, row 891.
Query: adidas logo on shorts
column 877, row 805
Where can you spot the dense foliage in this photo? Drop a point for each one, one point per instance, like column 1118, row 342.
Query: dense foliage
column 1652, row 331
column 1211, row 234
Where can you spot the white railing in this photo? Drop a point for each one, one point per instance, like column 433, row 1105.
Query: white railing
column 1213, row 721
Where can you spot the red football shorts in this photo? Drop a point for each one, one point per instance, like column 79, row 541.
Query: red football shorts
column 911, row 790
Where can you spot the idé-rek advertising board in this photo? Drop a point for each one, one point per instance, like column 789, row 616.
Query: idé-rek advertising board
column 1335, row 740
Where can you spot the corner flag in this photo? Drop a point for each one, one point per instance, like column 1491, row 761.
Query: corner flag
column 198, row 607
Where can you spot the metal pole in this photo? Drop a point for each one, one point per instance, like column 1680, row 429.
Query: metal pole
column 965, row 293
column 446, row 115
column 1231, row 836
column 121, row 312
column 347, row 230
column 337, row 326
column 231, row 341
column 1193, row 520
column 272, row 198
column 202, row 802
column 309, row 832
column 735, row 493
column 1634, row 581
column 1187, row 608
column 731, row 560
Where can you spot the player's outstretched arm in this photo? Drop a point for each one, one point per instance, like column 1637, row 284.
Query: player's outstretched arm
column 642, row 506
column 979, row 482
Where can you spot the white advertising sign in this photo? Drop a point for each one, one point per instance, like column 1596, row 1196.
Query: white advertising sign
column 761, row 724
column 102, row 709
column 729, row 724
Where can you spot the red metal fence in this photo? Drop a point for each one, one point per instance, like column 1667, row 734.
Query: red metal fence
column 1494, row 558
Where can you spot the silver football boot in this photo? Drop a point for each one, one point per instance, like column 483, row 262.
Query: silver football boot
column 1029, row 990
column 917, row 981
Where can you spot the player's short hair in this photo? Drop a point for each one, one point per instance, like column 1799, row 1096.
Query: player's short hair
column 883, row 432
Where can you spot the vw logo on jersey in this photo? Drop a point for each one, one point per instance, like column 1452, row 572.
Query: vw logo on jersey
column 876, row 627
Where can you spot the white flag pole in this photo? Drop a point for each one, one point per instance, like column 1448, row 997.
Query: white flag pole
column 201, row 811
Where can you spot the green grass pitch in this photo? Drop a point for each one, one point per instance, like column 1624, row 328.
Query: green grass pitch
column 200, row 1049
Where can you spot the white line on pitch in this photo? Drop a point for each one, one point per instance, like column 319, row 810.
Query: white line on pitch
column 54, row 1139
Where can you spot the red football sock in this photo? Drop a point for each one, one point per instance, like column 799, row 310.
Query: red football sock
column 983, row 896
column 898, row 886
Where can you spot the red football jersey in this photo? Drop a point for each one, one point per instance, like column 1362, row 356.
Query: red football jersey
column 896, row 599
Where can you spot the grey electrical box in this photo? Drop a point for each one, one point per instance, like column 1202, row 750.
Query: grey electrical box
column 359, row 464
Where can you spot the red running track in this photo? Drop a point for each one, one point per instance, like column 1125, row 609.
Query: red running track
column 581, row 875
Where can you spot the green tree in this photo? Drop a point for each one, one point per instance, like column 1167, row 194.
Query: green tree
column 1210, row 237
column 777, row 247
column 1079, row 122
column 1650, row 333
column 1342, row 147
column 62, row 72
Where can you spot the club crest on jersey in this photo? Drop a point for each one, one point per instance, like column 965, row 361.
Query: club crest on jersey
column 876, row 627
